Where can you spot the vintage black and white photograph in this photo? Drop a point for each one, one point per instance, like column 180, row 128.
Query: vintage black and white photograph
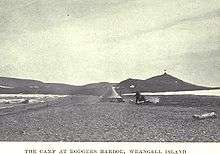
column 110, row 71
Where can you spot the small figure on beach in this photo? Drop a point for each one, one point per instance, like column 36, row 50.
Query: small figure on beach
column 139, row 97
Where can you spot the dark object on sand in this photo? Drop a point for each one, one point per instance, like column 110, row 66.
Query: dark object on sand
column 7, row 102
column 25, row 101
column 205, row 116
column 140, row 99
column 137, row 95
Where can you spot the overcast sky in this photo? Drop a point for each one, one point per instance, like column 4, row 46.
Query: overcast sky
column 85, row 41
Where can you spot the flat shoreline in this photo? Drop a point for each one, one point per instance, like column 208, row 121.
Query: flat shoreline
column 86, row 119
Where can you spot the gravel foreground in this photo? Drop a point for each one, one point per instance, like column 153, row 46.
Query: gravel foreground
column 86, row 119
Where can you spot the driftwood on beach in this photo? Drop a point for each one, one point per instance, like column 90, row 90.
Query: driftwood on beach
column 205, row 116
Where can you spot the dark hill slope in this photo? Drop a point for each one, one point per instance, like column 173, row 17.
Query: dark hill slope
column 161, row 83
column 14, row 82
column 16, row 86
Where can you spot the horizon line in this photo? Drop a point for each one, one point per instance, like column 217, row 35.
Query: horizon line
column 165, row 73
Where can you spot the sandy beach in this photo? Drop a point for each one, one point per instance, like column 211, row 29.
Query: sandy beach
column 86, row 119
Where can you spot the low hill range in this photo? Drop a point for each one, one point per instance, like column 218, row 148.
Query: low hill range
column 26, row 86
column 161, row 83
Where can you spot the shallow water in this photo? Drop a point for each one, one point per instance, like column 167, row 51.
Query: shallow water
column 30, row 95
column 17, row 98
column 196, row 92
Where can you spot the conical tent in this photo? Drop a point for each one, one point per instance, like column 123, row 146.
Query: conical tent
column 111, row 95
